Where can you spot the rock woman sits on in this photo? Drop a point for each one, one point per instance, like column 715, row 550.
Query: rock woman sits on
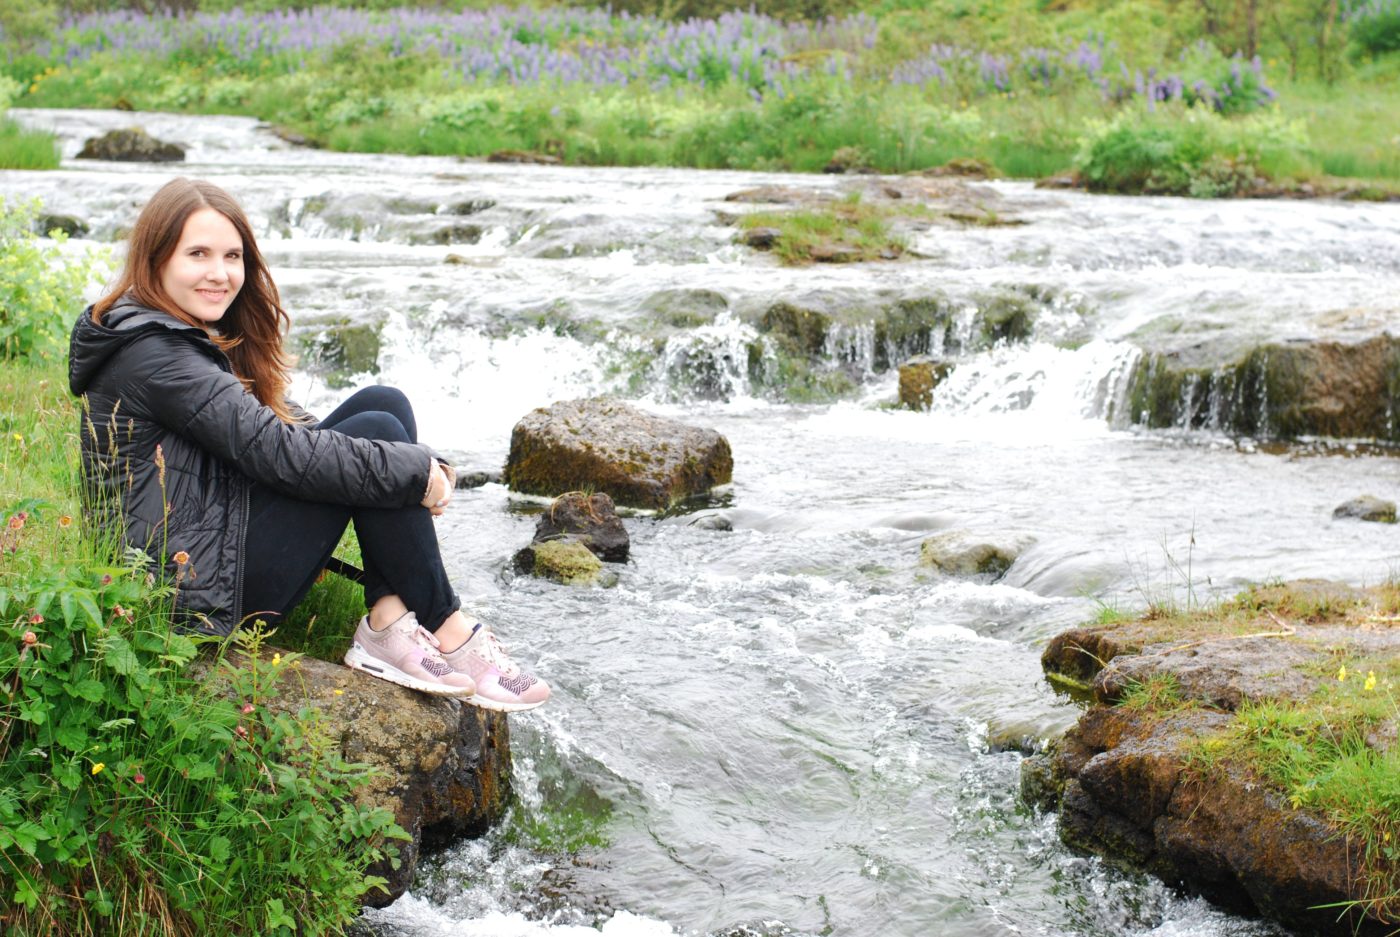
column 192, row 452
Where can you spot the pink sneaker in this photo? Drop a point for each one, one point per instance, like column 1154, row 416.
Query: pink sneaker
column 500, row 683
column 406, row 653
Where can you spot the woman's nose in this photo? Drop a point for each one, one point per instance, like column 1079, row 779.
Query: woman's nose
column 217, row 271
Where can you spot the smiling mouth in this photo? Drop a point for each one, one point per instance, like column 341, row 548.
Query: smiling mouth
column 215, row 295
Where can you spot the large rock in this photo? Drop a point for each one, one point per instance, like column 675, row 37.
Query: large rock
column 566, row 561
column 1155, row 784
column 588, row 519
column 131, row 145
column 442, row 767
column 1367, row 508
column 918, row 377
column 1274, row 391
column 602, row 444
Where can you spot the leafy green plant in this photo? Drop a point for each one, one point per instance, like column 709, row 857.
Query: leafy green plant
column 1189, row 151
column 40, row 292
column 150, row 783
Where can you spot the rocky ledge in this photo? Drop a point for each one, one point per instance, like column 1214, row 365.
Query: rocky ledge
column 1175, row 765
column 441, row 767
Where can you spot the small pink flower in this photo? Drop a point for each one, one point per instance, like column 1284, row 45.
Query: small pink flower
column 241, row 732
column 181, row 558
column 106, row 579
column 139, row 778
column 120, row 612
column 65, row 521
column 247, row 708
column 17, row 521
column 30, row 639
column 36, row 619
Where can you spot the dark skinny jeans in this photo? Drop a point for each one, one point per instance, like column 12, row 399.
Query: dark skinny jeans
column 290, row 540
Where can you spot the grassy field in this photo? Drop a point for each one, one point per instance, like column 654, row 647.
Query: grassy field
column 1029, row 90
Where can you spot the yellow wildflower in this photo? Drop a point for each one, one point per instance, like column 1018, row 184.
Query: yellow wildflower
column 339, row 692
column 97, row 768
column 276, row 659
column 1370, row 680
column 1342, row 674
column 17, row 437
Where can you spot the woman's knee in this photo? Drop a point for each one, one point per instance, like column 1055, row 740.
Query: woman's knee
column 374, row 424
column 389, row 400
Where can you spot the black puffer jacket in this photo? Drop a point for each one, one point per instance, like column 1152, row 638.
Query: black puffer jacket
column 171, row 442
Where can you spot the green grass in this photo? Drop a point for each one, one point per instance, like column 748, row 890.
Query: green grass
column 859, row 229
column 26, row 149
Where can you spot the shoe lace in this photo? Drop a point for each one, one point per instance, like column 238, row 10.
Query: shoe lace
column 426, row 640
column 493, row 652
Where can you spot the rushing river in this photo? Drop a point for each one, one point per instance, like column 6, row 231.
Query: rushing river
column 783, row 728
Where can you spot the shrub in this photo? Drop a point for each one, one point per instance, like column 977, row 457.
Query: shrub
column 1375, row 27
column 134, row 797
column 1188, row 151
column 39, row 293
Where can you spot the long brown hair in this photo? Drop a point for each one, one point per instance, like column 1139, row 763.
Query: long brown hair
column 251, row 331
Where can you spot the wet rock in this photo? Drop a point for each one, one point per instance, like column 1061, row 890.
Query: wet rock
column 836, row 253
column 1062, row 180
column 601, row 444
column 1367, row 508
column 68, row 224
column 762, row 238
column 777, row 195
column 685, row 308
column 475, row 478
column 293, row 137
column 917, row 378
column 450, row 234
column 1275, row 391
column 566, row 561
column 959, row 553
column 805, row 330
column 522, row 156
column 712, row 522
column 1129, row 793
column 587, row 519
column 470, row 206
column 441, row 767
column 339, row 349
column 1138, row 784
column 131, row 145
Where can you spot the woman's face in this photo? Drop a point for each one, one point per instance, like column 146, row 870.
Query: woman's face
column 206, row 271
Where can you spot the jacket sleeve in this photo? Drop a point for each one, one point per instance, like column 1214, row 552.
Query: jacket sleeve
column 184, row 390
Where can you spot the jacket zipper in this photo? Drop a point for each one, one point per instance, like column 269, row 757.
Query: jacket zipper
column 242, row 550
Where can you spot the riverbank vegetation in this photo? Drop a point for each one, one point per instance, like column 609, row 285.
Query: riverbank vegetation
column 1204, row 99
column 135, row 798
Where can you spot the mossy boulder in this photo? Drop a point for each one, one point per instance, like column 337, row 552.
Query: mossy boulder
column 339, row 348
column 918, row 377
column 602, row 444
column 802, row 330
column 68, row 224
column 960, row 553
column 567, row 561
column 442, row 767
column 1275, row 391
column 684, row 308
column 1367, row 508
column 131, row 145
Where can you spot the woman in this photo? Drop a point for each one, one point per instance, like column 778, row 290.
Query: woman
column 192, row 452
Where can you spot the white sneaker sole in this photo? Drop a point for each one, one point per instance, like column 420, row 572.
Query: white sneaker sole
column 482, row 702
column 357, row 658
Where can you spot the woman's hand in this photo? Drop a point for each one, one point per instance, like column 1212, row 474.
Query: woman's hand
column 439, row 490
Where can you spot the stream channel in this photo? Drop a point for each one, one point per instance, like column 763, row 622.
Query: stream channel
column 782, row 728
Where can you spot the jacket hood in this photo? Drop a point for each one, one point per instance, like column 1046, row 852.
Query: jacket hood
column 92, row 343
